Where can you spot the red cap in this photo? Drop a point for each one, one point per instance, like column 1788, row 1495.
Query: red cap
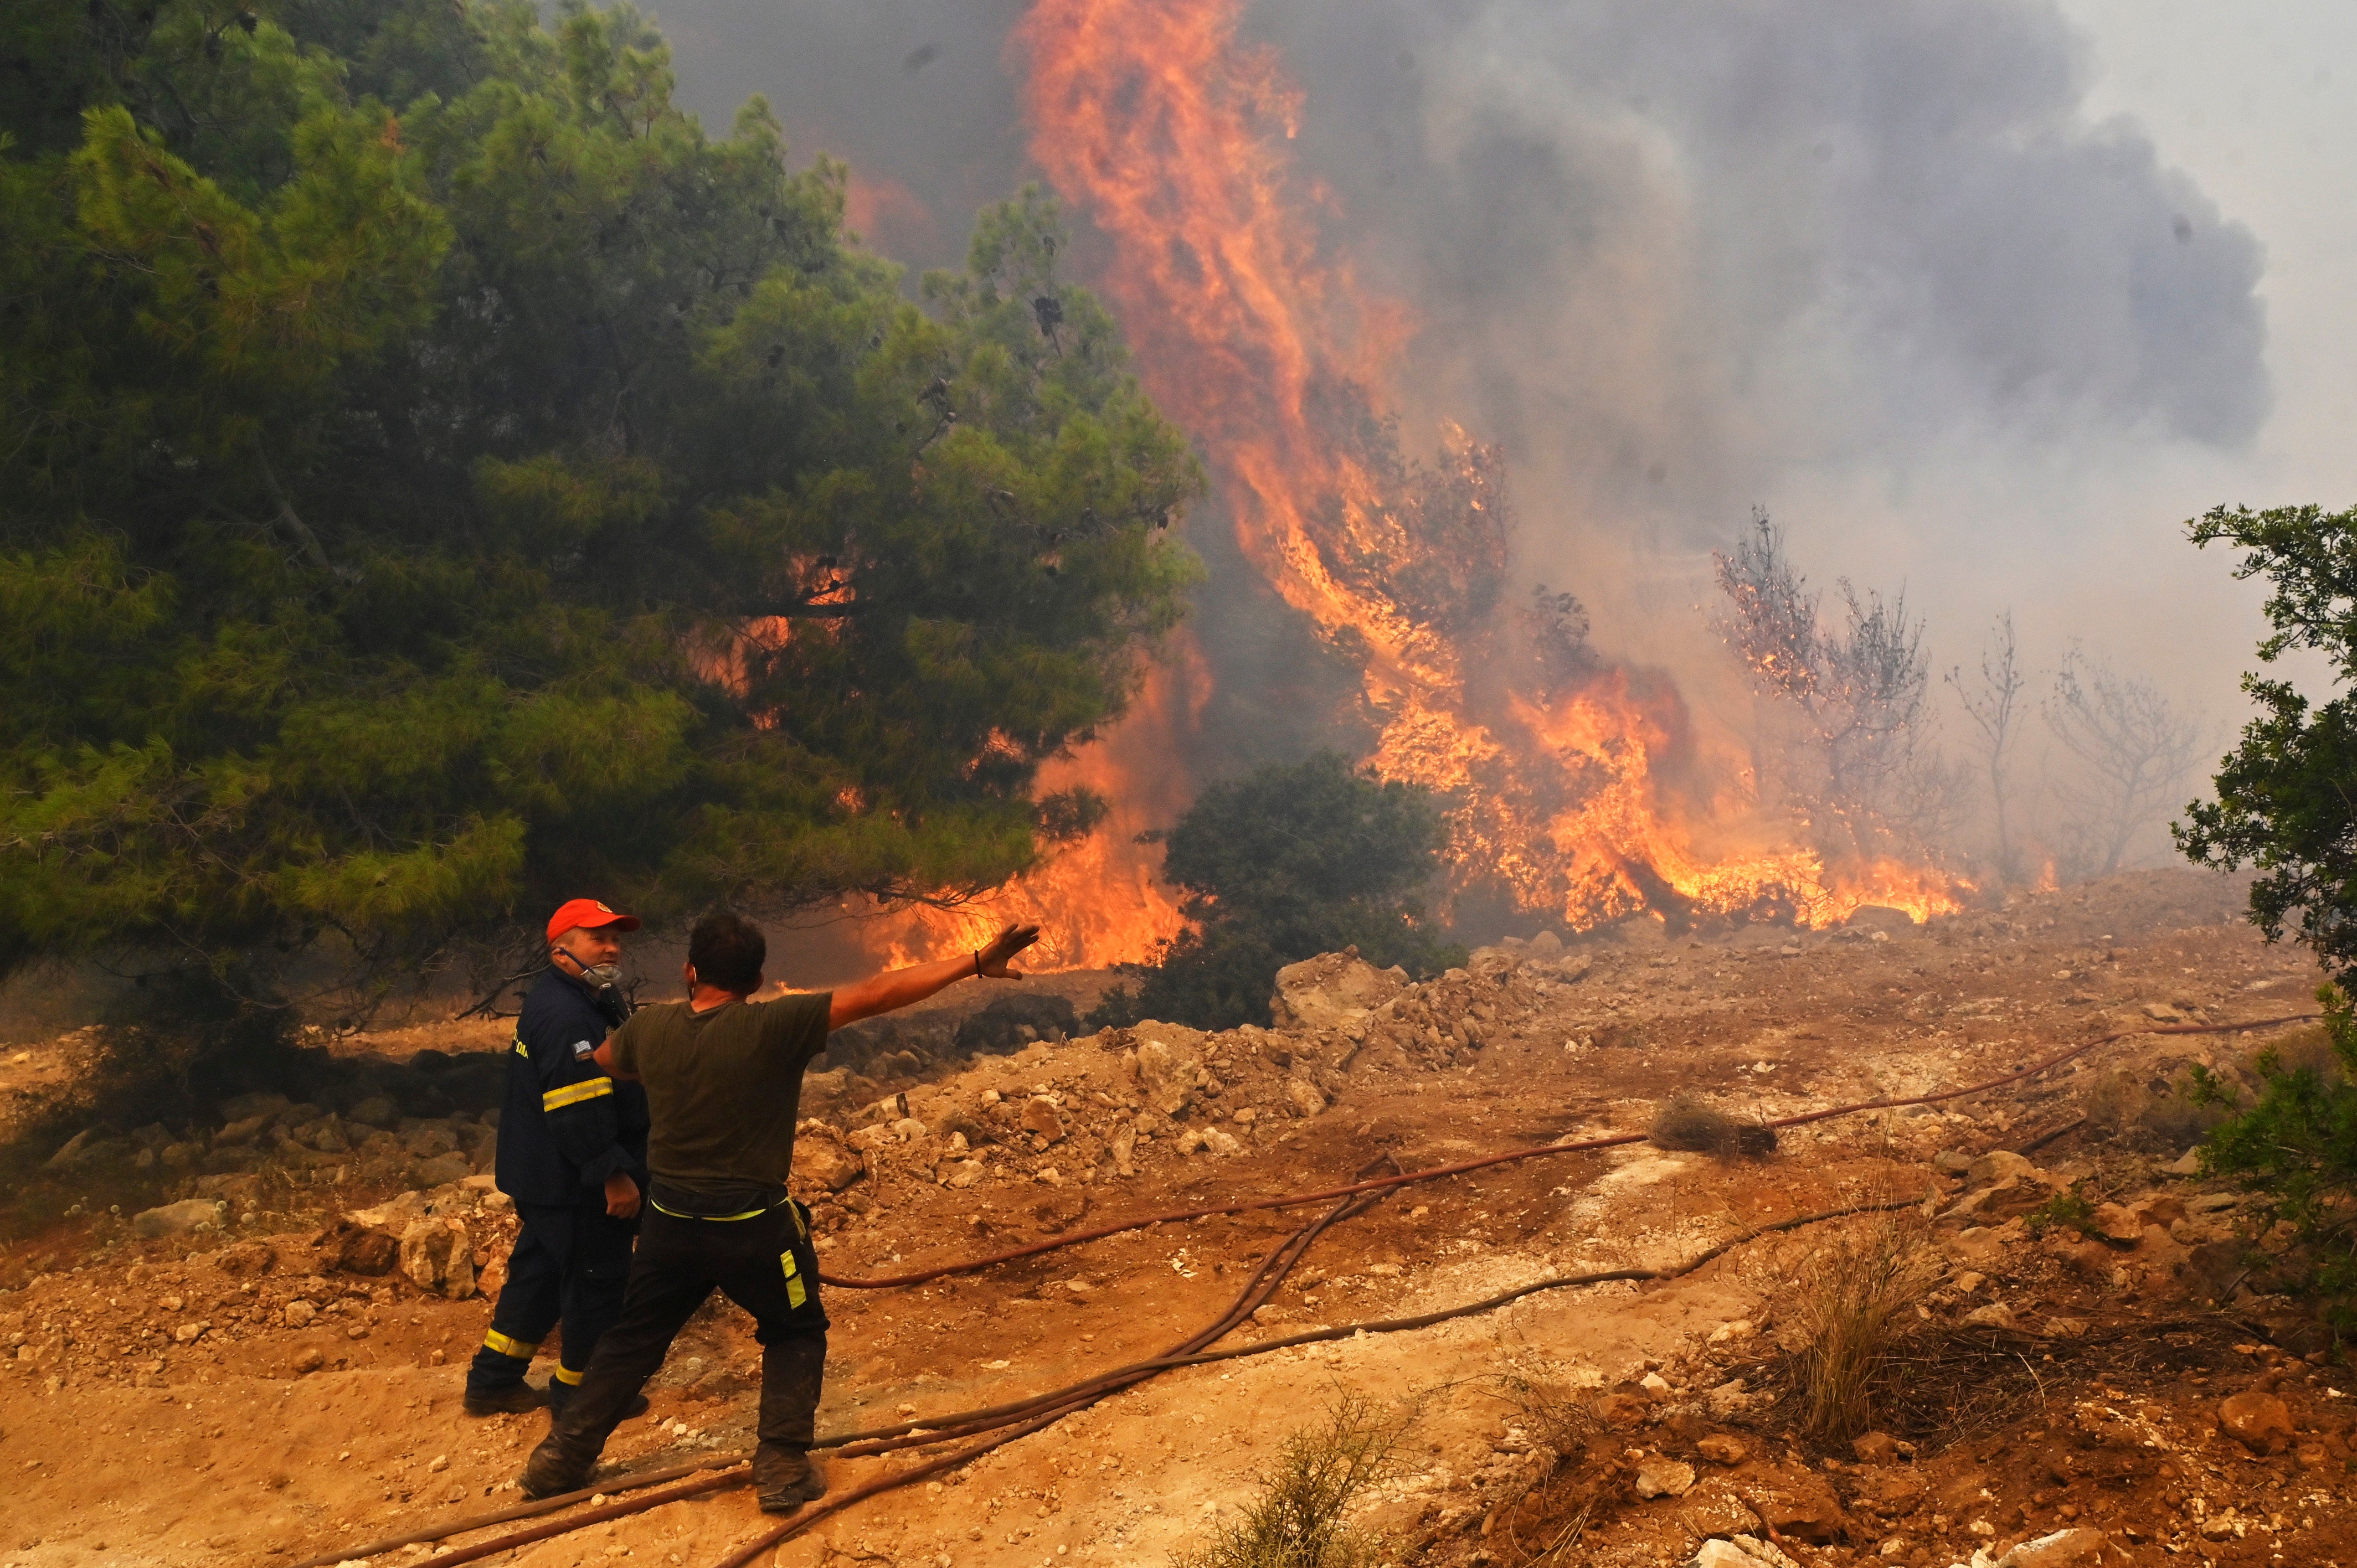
column 587, row 912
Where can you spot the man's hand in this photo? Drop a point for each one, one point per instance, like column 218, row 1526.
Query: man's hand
column 899, row 987
column 1011, row 939
column 621, row 1196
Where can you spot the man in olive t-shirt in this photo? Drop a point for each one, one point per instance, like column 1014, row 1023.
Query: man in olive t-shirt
column 723, row 1079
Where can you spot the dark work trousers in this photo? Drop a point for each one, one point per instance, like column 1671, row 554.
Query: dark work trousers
column 763, row 1262
column 571, row 1264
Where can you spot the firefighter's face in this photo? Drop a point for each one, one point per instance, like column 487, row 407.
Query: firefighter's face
column 589, row 946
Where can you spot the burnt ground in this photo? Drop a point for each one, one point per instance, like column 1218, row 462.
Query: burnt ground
column 240, row 1394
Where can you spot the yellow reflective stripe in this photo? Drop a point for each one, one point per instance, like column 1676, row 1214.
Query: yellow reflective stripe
column 508, row 1345
column 675, row 1214
column 566, row 1375
column 797, row 1293
column 575, row 1093
column 520, row 1050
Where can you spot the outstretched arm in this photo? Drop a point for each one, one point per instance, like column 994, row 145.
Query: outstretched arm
column 898, row 987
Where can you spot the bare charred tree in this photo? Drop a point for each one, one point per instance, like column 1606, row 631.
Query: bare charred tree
column 1993, row 704
column 2136, row 747
column 1855, row 694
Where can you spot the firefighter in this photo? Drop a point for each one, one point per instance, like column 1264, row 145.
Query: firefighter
column 722, row 1077
column 573, row 1155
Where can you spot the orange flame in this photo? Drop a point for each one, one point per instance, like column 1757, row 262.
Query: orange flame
column 1170, row 130
column 1096, row 900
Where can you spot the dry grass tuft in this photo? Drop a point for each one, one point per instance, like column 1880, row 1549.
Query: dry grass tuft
column 1298, row 1519
column 1687, row 1123
column 1556, row 1417
column 1852, row 1302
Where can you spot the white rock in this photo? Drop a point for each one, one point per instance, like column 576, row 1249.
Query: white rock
column 179, row 1219
column 1727, row 1398
column 437, row 1255
column 1997, row 1165
column 1723, row 1555
column 297, row 1312
column 1331, row 992
column 1166, row 1079
column 1656, row 1385
column 1664, row 1478
column 964, row 1173
column 1740, row 1329
column 2063, row 1548
column 1766, row 1552
column 1306, row 1096
column 1221, row 1144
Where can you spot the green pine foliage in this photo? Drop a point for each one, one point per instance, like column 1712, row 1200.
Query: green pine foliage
column 438, row 478
column 1282, row 865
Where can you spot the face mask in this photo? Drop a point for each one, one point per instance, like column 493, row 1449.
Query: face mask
column 603, row 974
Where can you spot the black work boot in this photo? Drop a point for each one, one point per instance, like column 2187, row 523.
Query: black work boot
column 784, row 1478
column 556, row 1465
column 791, row 1372
column 513, row 1400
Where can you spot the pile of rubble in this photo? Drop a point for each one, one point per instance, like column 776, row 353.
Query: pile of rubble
column 316, row 1291
column 1103, row 1107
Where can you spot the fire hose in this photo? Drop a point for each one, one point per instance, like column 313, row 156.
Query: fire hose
column 1379, row 1184
column 1019, row 1418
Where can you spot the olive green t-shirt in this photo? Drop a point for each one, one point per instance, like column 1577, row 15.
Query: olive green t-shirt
column 724, row 1087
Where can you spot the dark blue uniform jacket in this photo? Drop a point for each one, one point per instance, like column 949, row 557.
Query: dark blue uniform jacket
column 565, row 1126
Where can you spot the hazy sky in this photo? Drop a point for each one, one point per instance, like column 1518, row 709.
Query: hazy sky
column 1981, row 297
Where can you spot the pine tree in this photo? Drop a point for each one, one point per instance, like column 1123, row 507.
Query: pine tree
column 437, row 479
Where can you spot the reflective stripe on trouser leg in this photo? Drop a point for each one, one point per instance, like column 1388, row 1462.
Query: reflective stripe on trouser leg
column 508, row 1345
column 797, row 1293
column 567, row 1375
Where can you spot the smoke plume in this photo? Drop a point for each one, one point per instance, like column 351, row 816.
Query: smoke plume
column 1872, row 266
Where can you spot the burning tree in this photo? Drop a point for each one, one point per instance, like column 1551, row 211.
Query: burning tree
column 1845, row 737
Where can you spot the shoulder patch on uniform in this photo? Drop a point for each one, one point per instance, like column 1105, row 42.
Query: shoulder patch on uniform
column 584, row 1048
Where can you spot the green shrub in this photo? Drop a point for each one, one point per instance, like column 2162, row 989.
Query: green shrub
column 2064, row 1209
column 2295, row 1146
column 1298, row 1519
column 1282, row 864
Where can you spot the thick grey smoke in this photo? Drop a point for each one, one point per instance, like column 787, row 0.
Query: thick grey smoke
column 1869, row 264
column 1654, row 242
column 1694, row 243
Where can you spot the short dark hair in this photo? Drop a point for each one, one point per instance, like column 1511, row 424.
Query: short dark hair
column 726, row 949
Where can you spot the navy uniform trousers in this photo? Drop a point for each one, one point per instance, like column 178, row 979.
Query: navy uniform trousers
column 569, row 1265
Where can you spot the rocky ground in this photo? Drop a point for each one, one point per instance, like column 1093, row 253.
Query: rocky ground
column 258, row 1358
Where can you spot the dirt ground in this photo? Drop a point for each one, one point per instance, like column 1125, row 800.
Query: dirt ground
column 231, row 1396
